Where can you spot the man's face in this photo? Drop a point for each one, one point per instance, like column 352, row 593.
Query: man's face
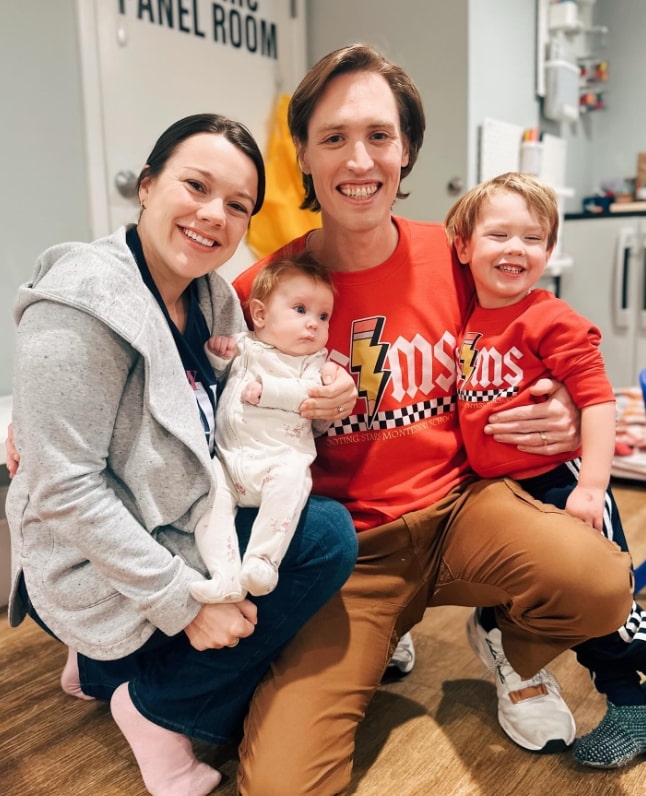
column 355, row 151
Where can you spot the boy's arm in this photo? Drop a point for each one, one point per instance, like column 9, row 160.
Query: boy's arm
column 598, row 424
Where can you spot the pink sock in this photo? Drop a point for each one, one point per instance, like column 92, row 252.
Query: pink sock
column 166, row 760
column 70, row 680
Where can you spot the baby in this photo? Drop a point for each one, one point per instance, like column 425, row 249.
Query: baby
column 264, row 447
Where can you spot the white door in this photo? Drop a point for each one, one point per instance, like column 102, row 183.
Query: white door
column 146, row 64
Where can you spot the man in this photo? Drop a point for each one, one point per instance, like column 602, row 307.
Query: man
column 429, row 532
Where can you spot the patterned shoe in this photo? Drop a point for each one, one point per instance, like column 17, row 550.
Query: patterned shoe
column 531, row 712
column 618, row 739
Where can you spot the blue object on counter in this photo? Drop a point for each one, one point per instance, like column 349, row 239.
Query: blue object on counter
column 597, row 204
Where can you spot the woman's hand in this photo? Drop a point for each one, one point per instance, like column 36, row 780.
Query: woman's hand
column 548, row 427
column 220, row 625
column 12, row 459
column 334, row 399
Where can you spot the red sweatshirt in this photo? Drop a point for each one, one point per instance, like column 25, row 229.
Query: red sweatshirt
column 395, row 328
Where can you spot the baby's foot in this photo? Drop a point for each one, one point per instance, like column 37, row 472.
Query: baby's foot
column 216, row 591
column 70, row 679
column 258, row 575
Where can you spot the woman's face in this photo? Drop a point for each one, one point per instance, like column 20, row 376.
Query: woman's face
column 197, row 209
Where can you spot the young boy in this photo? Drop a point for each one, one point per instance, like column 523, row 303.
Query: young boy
column 505, row 230
column 264, row 446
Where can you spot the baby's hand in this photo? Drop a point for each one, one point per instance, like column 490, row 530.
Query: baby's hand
column 251, row 392
column 222, row 346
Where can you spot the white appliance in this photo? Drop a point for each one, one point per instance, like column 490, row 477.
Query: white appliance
column 607, row 284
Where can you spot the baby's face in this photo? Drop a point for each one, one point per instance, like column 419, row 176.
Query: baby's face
column 296, row 319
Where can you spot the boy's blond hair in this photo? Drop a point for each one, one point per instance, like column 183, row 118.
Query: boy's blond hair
column 461, row 219
column 268, row 279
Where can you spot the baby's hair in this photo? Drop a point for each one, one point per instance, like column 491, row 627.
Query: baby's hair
column 461, row 219
column 270, row 276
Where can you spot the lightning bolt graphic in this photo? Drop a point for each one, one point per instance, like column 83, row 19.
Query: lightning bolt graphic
column 367, row 360
column 468, row 355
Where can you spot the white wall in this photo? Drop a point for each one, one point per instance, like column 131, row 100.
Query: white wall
column 604, row 144
column 42, row 160
column 502, row 67
column 621, row 129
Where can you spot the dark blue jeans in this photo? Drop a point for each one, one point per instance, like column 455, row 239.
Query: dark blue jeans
column 206, row 694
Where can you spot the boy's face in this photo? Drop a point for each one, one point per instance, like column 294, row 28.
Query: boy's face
column 507, row 251
column 295, row 318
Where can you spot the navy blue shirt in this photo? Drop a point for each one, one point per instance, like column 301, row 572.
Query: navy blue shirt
column 190, row 344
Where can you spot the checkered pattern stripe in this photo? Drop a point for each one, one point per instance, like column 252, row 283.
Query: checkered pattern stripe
column 394, row 418
column 481, row 396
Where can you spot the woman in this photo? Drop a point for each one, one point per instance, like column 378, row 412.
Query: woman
column 114, row 425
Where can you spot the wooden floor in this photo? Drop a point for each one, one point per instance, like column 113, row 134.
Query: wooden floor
column 433, row 733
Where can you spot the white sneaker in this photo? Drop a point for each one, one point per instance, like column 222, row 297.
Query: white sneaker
column 531, row 712
column 403, row 658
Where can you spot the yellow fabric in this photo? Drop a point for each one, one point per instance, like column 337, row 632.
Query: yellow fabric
column 281, row 218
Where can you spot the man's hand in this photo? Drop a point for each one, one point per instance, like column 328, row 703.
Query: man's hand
column 334, row 399
column 547, row 427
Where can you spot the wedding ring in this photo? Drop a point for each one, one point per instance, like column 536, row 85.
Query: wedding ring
column 235, row 643
column 339, row 409
column 544, row 437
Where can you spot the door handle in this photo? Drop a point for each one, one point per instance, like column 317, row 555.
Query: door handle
column 622, row 279
column 126, row 183
column 455, row 186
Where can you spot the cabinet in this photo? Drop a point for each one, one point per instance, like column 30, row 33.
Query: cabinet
column 608, row 285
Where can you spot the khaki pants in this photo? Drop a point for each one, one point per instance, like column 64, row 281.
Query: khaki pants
column 557, row 580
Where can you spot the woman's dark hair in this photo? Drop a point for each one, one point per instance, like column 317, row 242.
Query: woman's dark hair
column 357, row 58
column 235, row 132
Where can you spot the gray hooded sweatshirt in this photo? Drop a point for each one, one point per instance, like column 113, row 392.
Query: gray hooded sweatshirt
column 115, row 469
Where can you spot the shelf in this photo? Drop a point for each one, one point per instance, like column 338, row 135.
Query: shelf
column 567, row 44
column 564, row 17
column 628, row 207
